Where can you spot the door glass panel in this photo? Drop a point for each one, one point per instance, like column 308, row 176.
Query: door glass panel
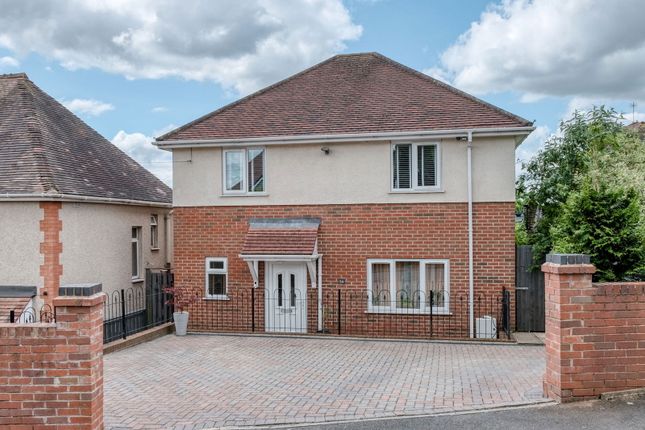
column 280, row 289
column 293, row 290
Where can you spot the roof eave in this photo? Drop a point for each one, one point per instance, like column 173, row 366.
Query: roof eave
column 354, row 137
column 37, row 197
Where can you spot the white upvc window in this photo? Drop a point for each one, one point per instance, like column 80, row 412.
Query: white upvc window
column 154, row 231
column 416, row 167
column 136, row 253
column 216, row 278
column 408, row 286
column 244, row 171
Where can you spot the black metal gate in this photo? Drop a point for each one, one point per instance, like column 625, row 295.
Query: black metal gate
column 529, row 292
column 129, row 311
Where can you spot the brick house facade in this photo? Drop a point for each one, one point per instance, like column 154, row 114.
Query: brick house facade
column 386, row 199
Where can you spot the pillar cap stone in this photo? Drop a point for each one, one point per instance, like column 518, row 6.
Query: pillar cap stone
column 566, row 259
column 80, row 290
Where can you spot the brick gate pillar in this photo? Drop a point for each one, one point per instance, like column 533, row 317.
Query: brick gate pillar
column 567, row 285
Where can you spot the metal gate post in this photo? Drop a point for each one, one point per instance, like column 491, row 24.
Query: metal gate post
column 123, row 312
column 339, row 303
column 253, row 309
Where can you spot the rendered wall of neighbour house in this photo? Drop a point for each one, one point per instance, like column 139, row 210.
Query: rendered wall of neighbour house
column 20, row 234
column 97, row 243
column 349, row 190
column 51, row 374
column 595, row 334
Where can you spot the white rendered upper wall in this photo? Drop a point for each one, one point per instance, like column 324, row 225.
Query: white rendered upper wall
column 351, row 173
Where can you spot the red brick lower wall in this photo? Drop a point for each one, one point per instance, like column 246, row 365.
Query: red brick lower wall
column 51, row 374
column 595, row 334
column 348, row 236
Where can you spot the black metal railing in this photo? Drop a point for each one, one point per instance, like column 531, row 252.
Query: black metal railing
column 356, row 313
column 32, row 314
column 132, row 310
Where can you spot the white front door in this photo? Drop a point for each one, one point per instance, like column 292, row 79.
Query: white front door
column 286, row 298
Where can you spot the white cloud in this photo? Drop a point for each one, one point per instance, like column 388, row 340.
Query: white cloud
column 240, row 45
column 140, row 147
column 158, row 109
column 87, row 106
column 584, row 104
column 8, row 62
column 590, row 48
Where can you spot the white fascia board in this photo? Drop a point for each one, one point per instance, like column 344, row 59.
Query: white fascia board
column 45, row 197
column 331, row 138
column 262, row 257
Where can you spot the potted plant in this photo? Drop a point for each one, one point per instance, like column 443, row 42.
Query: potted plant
column 180, row 299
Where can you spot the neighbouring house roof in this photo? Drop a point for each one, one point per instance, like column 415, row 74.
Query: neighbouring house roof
column 348, row 94
column 637, row 127
column 46, row 149
column 281, row 236
column 14, row 298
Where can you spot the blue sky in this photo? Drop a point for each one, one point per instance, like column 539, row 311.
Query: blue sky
column 537, row 59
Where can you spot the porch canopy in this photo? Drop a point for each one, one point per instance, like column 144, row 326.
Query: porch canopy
column 282, row 239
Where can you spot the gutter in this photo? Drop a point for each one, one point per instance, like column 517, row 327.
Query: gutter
column 35, row 197
column 353, row 137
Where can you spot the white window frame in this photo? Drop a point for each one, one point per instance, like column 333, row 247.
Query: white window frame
column 209, row 271
column 423, row 309
column 244, row 172
column 154, row 232
column 137, row 240
column 414, row 173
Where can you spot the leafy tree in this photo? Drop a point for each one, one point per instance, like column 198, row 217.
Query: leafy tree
column 558, row 170
column 602, row 222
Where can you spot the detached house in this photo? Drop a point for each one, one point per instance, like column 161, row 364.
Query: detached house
column 73, row 207
column 358, row 196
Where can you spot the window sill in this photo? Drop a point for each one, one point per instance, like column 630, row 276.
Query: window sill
column 216, row 298
column 405, row 312
column 137, row 280
column 244, row 195
column 154, row 249
column 437, row 191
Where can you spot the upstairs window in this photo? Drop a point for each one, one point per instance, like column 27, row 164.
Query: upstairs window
column 154, row 231
column 415, row 167
column 244, row 171
column 136, row 253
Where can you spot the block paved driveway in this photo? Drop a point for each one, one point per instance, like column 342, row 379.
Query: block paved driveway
column 210, row 381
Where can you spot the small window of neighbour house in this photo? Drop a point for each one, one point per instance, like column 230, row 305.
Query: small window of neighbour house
column 415, row 167
column 216, row 278
column 244, row 171
column 136, row 252
column 414, row 286
column 154, row 231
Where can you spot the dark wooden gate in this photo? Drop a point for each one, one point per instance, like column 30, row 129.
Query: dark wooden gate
column 529, row 292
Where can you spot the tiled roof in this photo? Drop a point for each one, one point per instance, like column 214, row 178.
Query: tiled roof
column 281, row 237
column 44, row 148
column 348, row 94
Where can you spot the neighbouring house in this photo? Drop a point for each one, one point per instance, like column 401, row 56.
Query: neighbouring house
column 358, row 196
column 73, row 207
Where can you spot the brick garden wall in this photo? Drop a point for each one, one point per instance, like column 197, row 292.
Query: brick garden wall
column 51, row 374
column 595, row 334
column 348, row 236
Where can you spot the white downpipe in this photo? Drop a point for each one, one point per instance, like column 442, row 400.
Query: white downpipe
column 320, row 295
column 471, row 281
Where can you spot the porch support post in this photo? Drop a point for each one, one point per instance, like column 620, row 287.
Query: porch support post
column 320, row 295
column 253, row 268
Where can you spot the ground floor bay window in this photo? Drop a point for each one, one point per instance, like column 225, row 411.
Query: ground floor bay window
column 408, row 286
